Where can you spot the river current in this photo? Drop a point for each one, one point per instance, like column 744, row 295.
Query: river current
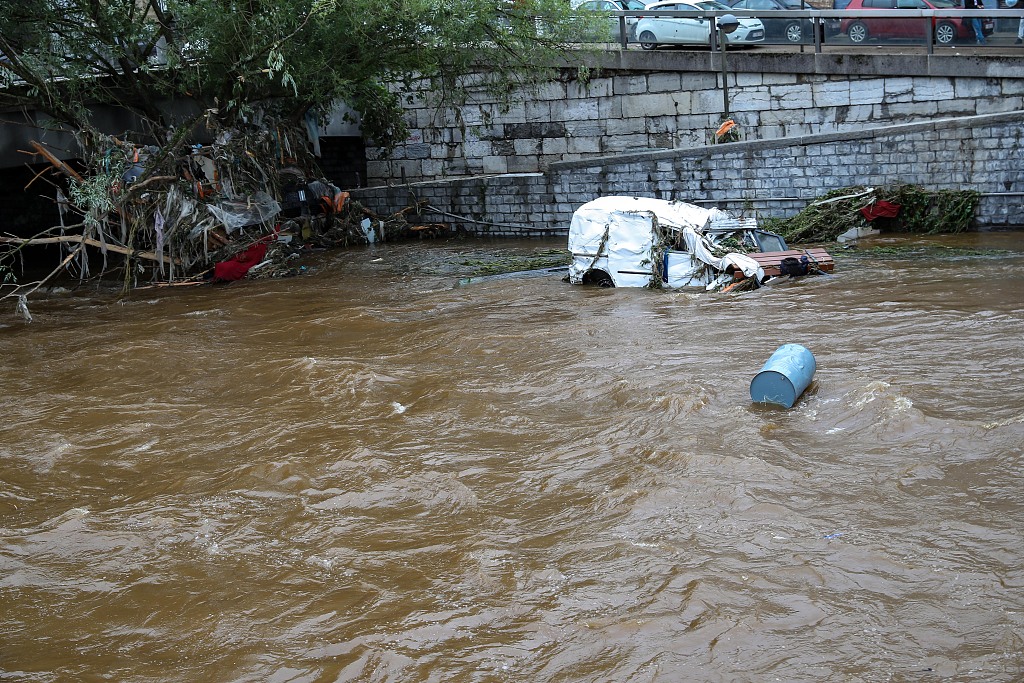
column 372, row 472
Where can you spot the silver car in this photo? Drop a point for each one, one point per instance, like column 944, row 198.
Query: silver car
column 655, row 31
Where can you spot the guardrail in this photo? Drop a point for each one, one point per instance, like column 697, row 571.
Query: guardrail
column 822, row 18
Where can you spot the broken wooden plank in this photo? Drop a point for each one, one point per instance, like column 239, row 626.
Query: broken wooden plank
column 770, row 261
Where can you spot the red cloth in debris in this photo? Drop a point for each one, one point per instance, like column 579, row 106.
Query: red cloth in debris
column 236, row 268
column 880, row 209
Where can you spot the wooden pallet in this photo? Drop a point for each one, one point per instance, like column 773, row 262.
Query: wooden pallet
column 770, row 260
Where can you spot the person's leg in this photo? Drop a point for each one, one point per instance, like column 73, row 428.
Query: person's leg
column 979, row 34
column 1020, row 32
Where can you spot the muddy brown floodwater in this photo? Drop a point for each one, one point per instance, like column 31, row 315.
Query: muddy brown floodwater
column 371, row 473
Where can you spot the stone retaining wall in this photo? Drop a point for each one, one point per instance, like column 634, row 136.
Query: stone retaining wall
column 766, row 177
column 637, row 101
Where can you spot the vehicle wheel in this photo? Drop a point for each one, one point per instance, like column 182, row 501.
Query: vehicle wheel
column 647, row 40
column 945, row 33
column 598, row 278
column 793, row 32
column 857, row 32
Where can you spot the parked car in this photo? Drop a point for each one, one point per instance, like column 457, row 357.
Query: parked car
column 655, row 31
column 795, row 30
column 605, row 6
column 946, row 29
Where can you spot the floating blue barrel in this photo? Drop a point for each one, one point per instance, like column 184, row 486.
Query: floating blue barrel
column 784, row 376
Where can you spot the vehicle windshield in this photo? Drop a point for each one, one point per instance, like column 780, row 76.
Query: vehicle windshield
column 711, row 5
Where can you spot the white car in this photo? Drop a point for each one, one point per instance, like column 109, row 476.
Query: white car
column 655, row 31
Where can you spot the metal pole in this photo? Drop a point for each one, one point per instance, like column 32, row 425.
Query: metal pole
column 725, row 74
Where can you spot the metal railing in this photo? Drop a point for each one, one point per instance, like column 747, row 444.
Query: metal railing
column 823, row 19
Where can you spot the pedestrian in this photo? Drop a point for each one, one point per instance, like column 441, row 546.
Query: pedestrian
column 1010, row 4
column 975, row 22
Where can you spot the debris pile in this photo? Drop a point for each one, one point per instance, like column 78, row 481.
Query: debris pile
column 245, row 205
column 892, row 208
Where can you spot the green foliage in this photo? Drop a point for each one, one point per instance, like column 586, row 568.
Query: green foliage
column 500, row 263
column 921, row 211
column 238, row 60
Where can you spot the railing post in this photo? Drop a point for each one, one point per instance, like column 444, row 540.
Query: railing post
column 929, row 34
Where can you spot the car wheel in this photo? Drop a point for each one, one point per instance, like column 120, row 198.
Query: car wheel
column 945, row 33
column 857, row 32
column 647, row 40
column 793, row 32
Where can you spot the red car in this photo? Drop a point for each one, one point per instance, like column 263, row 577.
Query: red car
column 946, row 29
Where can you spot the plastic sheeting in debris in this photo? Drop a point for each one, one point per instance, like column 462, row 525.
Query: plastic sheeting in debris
column 630, row 238
column 258, row 209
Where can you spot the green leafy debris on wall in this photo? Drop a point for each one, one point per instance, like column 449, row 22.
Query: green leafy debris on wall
column 920, row 211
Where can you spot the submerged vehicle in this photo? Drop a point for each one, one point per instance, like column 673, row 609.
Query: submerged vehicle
column 646, row 242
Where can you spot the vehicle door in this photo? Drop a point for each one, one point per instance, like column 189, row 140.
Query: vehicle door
column 881, row 27
column 629, row 248
column 689, row 29
column 911, row 28
column 663, row 27
column 774, row 25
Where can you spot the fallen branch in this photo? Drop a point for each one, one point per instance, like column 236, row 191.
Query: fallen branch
column 152, row 179
column 57, row 163
column 17, row 291
column 78, row 239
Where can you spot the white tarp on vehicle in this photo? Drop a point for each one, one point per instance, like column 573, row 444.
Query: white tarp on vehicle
column 640, row 242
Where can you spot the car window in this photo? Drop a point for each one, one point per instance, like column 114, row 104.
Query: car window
column 761, row 4
column 710, row 5
column 635, row 4
column 742, row 4
column 879, row 4
column 910, row 4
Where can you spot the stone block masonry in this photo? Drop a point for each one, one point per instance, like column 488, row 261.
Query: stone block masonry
column 673, row 100
column 776, row 177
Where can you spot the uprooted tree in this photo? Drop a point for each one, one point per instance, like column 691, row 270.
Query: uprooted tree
column 224, row 97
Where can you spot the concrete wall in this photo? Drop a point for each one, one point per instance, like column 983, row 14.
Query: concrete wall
column 640, row 101
column 768, row 177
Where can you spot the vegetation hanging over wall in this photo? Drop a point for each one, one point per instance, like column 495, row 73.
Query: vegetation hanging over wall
column 914, row 209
